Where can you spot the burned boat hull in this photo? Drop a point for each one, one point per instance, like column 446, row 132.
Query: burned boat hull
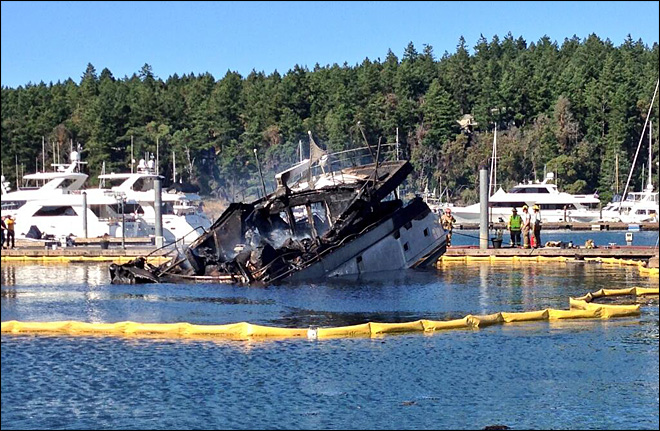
column 398, row 242
column 300, row 233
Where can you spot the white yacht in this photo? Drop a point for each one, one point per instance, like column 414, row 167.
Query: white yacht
column 555, row 206
column 52, row 202
column 182, row 213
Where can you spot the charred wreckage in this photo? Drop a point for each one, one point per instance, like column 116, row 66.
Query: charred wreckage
column 341, row 221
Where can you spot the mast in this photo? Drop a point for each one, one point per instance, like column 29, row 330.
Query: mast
column 398, row 188
column 493, row 165
column 132, row 158
column 650, row 184
column 641, row 138
column 174, row 165
column 616, row 172
column 157, row 160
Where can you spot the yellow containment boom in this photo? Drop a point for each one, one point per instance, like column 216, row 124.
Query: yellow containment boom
column 580, row 308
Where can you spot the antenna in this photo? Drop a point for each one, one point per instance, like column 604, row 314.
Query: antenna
column 263, row 184
column 365, row 140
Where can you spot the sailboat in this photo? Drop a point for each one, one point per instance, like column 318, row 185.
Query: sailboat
column 636, row 207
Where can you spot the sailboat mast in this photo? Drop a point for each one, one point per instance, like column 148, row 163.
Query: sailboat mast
column 650, row 185
column 174, row 165
column 493, row 164
column 616, row 172
column 648, row 117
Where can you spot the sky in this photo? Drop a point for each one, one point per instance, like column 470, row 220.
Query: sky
column 53, row 41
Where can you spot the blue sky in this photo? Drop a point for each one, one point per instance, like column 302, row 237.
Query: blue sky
column 51, row 41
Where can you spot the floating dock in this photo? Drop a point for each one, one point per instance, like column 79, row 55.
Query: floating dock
column 596, row 226
column 35, row 251
column 622, row 252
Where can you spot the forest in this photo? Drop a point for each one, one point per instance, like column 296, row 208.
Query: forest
column 573, row 109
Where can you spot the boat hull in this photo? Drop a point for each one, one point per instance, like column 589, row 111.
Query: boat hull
column 396, row 243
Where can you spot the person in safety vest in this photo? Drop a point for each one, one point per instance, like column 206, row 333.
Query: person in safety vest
column 515, row 225
column 448, row 221
column 9, row 222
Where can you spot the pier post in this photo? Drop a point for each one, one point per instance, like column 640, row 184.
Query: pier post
column 158, row 208
column 84, row 214
column 483, row 208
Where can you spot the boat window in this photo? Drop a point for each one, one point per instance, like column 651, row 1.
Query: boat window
column 66, row 182
column 506, row 204
column 144, row 185
column 167, row 208
column 557, row 207
column 133, row 208
column 12, row 205
column 55, row 211
column 103, row 211
column 112, row 182
column 529, row 190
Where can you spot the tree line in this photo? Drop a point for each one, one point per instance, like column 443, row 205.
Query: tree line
column 572, row 109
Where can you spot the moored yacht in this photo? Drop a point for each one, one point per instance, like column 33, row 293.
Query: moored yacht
column 182, row 213
column 51, row 204
column 555, row 206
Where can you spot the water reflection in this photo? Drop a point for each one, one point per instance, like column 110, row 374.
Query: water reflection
column 8, row 275
column 546, row 374
column 52, row 274
column 83, row 292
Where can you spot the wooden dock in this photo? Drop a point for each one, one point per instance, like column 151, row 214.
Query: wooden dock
column 87, row 248
column 620, row 252
column 598, row 226
column 33, row 250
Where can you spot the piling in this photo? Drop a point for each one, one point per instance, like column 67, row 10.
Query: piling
column 84, row 214
column 483, row 208
column 158, row 207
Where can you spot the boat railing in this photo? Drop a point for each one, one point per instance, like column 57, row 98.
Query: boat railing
column 336, row 162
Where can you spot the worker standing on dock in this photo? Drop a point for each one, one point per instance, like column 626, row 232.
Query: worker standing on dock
column 514, row 225
column 526, row 225
column 448, row 221
column 537, row 226
column 9, row 222
column 3, row 229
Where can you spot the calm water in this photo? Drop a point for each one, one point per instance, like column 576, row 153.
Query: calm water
column 541, row 375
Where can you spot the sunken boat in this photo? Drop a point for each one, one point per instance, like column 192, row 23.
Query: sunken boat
column 329, row 216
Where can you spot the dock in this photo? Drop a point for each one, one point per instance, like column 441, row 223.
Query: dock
column 34, row 250
column 620, row 252
column 85, row 249
column 596, row 226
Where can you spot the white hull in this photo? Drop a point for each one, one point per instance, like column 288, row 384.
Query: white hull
column 472, row 214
